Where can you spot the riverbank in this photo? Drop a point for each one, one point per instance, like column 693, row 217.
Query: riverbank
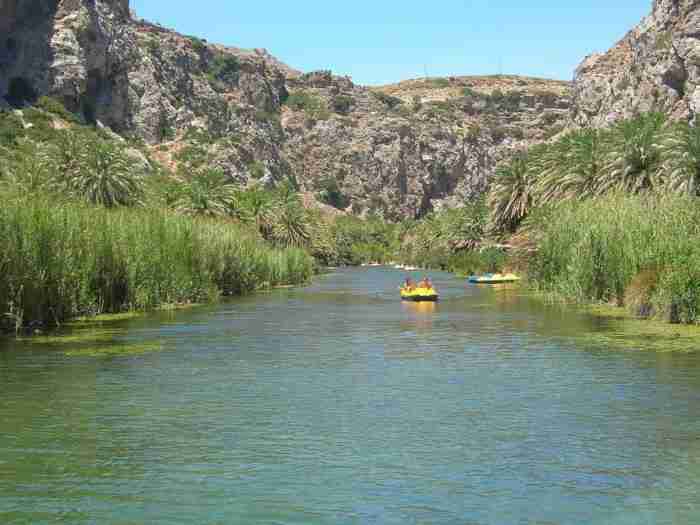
column 64, row 260
column 637, row 252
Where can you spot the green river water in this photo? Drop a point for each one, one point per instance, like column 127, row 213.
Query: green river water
column 338, row 404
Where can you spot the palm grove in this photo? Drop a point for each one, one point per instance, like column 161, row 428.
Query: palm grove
column 92, row 224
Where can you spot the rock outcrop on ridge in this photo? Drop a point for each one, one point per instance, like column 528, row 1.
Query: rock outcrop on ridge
column 656, row 66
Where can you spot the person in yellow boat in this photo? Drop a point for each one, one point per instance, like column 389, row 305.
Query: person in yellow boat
column 408, row 284
column 425, row 283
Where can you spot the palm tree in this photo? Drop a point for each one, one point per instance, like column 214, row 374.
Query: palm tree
column 290, row 225
column 255, row 205
column 635, row 156
column 571, row 168
column 98, row 170
column 681, row 152
column 208, row 193
column 512, row 194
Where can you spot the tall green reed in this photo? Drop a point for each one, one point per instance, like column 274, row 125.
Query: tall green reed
column 59, row 260
column 597, row 250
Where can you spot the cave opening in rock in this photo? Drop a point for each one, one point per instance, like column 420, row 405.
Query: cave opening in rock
column 95, row 83
column 20, row 92
column 8, row 49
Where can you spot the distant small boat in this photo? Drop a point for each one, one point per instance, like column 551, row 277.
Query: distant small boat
column 494, row 278
column 419, row 295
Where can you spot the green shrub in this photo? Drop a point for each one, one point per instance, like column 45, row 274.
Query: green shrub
column 193, row 156
column 271, row 118
column 511, row 100
column 664, row 41
column 256, row 169
column 360, row 241
column 389, row 101
column 301, row 100
column 417, row 103
column 498, row 134
column 198, row 135
column 198, row 45
column 342, row 104
column 11, row 128
column 516, row 133
column 224, row 68
column 441, row 239
column 51, row 105
column 496, row 97
column 166, row 131
column 548, row 98
column 153, row 45
column 471, row 262
column 42, row 128
column 440, row 82
column 440, row 109
column 313, row 105
column 331, row 194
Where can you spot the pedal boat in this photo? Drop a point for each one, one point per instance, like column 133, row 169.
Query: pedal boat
column 494, row 278
column 420, row 295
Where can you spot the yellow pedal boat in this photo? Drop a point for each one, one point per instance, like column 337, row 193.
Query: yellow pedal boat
column 419, row 295
column 494, row 278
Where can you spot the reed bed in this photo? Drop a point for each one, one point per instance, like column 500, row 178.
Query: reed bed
column 642, row 252
column 60, row 260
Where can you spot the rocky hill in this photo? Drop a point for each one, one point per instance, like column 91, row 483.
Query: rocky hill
column 405, row 149
column 399, row 150
column 656, row 66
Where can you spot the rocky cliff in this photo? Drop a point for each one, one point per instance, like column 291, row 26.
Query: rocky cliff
column 399, row 150
column 656, row 66
column 406, row 149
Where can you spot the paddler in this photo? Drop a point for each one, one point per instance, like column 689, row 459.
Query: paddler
column 425, row 283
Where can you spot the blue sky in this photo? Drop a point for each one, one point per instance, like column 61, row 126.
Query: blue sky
column 384, row 41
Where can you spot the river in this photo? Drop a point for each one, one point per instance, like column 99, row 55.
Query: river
column 338, row 404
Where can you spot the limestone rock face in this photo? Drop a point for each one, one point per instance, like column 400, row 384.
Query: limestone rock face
column 400, row 150
column 408, row 149
column 75, row 50
column 656, row 66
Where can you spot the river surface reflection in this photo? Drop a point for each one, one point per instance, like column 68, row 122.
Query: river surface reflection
column 339, row 404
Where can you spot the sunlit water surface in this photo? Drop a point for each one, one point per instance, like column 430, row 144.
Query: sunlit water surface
column 338, row 404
